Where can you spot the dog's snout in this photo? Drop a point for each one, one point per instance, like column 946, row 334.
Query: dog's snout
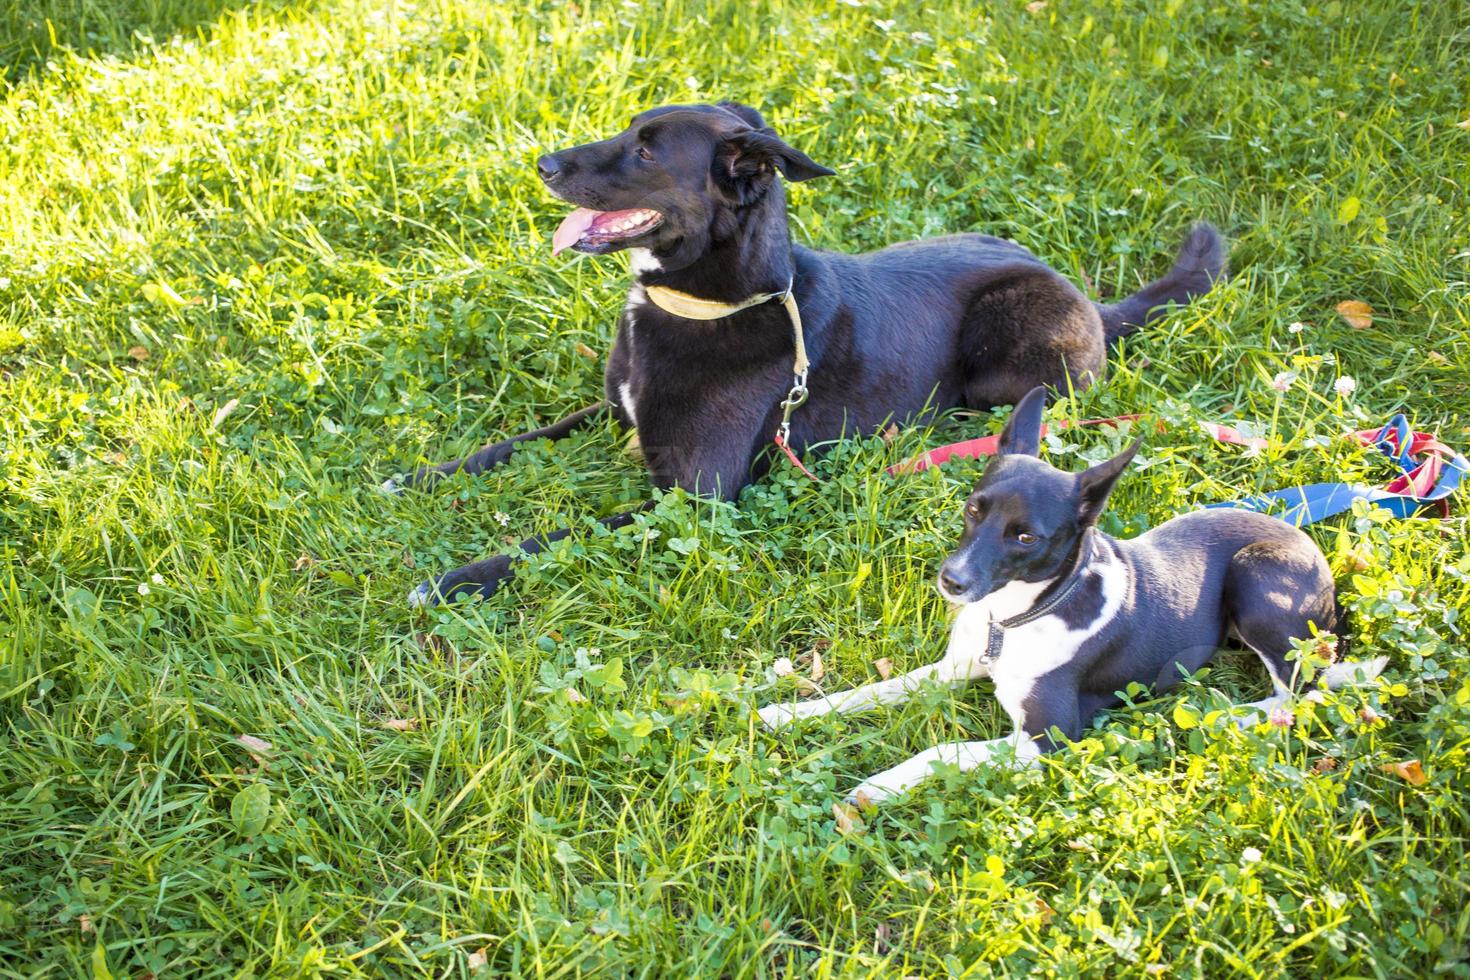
column 549, row 167
column 951, row 583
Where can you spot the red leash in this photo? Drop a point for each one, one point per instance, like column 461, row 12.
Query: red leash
column 987, row 445
column 1429, row 471
column 795, row 459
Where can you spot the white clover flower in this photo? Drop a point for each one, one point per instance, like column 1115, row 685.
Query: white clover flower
column 502, row 518
column 157, row 579
column 1345, row 385
column 1282, row 381
column 1296, row 327
column 783, row 667
column 1250, row 855
column 143, row 588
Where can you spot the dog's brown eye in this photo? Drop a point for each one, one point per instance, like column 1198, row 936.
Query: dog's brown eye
column 973, row 511
column 1025, row 537
column 643, row 153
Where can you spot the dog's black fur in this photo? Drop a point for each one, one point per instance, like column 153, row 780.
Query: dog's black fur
column 964, row 320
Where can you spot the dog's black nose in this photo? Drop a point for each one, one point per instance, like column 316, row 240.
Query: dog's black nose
column 548, row 167
column 951, row 584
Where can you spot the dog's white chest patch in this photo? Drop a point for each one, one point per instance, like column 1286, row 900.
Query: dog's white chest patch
column 971, row 631
column 642, row 260
column 625, row 399
column 1032, row 650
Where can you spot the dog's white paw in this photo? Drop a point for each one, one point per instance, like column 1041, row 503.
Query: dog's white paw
column 1257, row 712
column 419, row 598
column 777, row 715
column 874, row 792
column 390, row 486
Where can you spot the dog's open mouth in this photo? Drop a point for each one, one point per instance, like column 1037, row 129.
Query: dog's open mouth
column 591, row 231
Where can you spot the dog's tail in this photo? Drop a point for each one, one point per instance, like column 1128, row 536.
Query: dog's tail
column 1201, row 261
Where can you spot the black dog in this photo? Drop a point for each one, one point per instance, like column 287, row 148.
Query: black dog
column 708, row 342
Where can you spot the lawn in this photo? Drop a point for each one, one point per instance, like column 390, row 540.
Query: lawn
column 256, row 257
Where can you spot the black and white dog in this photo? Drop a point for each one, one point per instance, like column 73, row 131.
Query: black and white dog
column 727, row 316
column 1061, row 616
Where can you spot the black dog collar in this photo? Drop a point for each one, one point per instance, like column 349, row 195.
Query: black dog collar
column 998, row 627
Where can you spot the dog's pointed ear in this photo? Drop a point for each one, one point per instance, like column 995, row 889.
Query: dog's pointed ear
column 1022, row 433
column 748, row 153
column 1094, row 485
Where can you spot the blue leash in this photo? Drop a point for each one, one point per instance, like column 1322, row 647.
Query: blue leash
column 1441, row 468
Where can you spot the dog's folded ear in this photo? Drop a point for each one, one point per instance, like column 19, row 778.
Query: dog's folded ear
column 1095, row 484
column 751, row 117
column 1022, row 433
column 750, row 153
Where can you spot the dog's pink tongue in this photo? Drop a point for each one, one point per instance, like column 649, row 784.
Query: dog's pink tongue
column 572, row 228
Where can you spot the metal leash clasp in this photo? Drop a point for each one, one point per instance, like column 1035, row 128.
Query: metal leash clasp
column 795, row 398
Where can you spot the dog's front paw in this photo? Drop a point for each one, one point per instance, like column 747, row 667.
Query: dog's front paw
column 391, row 486
column 482, row 578
column 422, row 596
column 777, row 715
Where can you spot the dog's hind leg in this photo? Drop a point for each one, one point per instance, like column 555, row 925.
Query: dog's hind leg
column 484, row 577
column 495, row 453
column 1277, row 592
column 1030, row 328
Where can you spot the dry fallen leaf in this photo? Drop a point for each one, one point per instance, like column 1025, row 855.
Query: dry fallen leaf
column 1356, row 313
column 884, row 667
column 1358, row 559
column 881, row 935
column 1463, row 125
column 139, row 353
column 1410, row 771
column 1047, row 912
column 1435, row 357
column 1035, row 6
column 584, row 350
column 575, row 696
column 819, row 669
column 1325, row 764
column 84, row 922
column 478, row 959
column 257, row 747
column 401, row 724
column 890, row 433
column 845, row 814
column 407, row 559
column 224, row 412
column 304, row 561
column 863, row 801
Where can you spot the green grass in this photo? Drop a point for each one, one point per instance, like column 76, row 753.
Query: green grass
column 326, row 211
